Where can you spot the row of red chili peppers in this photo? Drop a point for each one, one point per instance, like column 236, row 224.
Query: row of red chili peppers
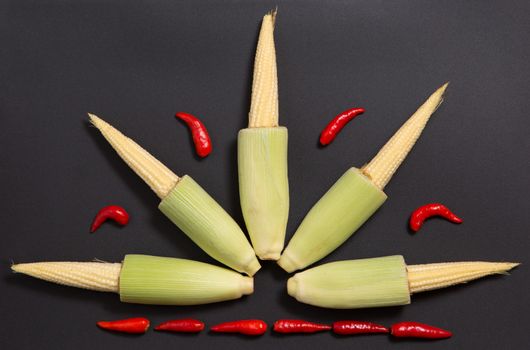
column 139, row 325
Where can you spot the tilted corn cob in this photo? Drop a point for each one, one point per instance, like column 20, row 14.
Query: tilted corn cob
column 187, row 204
column 384, row 281
column 355, row 196
column 145, row 279
column 262, row 155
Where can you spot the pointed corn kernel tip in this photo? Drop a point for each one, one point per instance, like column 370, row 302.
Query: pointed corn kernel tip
column 264, row 101
column 427, row 277
column 97, row 276
column 155, row 174
column 383, row 166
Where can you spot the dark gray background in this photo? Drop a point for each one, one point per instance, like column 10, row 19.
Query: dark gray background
column 135, row 63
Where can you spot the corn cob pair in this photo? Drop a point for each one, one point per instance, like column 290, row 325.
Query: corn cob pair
column 363, row 283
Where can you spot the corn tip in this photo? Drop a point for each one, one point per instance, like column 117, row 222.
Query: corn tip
column 287, row 263
column 292, row 287
column 247, row 285
column 253, row 267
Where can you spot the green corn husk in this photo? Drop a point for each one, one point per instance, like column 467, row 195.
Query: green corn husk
column 155, row 280
column 332, row 220
column 353, row 284
column 264, row 187
column 199, row 216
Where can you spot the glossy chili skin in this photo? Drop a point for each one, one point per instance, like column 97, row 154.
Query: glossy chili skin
column 358, row 327
column 201, row 138
column 426, row 211
column 136, row 325
column 299, row 326
column 247, row 327
column 418, row 330
column 187, row 325
column 113, row 212
column 336, row 124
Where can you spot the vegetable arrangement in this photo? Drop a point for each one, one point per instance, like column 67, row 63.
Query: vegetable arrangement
column 264, row 195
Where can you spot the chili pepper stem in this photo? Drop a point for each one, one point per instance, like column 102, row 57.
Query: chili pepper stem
column 187, row 205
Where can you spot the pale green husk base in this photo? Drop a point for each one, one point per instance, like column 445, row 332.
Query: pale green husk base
column 199, row 216
column 264, row 187
column 155, row 280
column 332, row 220
column 352, row 284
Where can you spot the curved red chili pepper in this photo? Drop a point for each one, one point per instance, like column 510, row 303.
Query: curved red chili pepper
column 418, row 330
column 247, row 327
column 188, row 325
column 201, row 138
column 299, row 326
column 113, row 212
column 426, row 211
column 357, row 327
column 137, row 325
column 336, row 124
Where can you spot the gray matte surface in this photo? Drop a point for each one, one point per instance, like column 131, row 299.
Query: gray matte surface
column 135, row 63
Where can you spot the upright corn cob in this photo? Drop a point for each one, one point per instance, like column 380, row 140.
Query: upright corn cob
column 186, row 204
column 144, row 279
column 355, row 196
column 384, row 281
column 262, row 155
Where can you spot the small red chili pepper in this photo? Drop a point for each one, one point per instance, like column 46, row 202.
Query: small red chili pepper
column 418, row 330
column 188, row 325
column 433, row 209
column 299, row 326
column 137, row 325
column 201, row 138
column 357, row 327
column 247, row 327
column 336, row 124
column 113, row 212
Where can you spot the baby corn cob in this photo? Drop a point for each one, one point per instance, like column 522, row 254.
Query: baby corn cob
column 262, row 155
column 355, row 196
column 187, row 204
column 384, row 281
column 144, row 279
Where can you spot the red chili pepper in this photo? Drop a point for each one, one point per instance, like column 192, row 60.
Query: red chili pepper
column 299, row 326
column 137, row 325
column 426, row 211
column 201, row 139
column 247, row 327
column 335, row 126
column 188, row 325
column 113, row 212
column 357, row 327
column 418, row 330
